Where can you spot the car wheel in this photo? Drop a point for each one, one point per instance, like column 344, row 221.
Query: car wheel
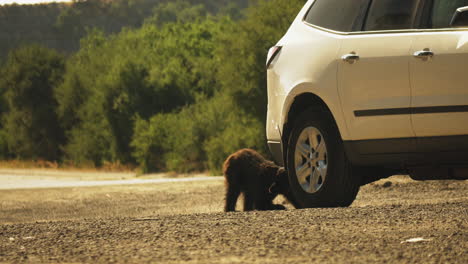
column 320, row 174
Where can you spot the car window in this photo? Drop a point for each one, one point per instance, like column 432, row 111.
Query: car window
column 442, row 12
column 339, row 15
column 391, row 14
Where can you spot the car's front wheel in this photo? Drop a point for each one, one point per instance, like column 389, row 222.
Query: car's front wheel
column 320, row 174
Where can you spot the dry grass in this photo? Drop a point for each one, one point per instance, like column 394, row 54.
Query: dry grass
column 66, row 166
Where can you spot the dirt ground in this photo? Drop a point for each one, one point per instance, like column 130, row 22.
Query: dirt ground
column 396, row 220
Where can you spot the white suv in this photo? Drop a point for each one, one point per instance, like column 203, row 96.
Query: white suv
column 359, row 90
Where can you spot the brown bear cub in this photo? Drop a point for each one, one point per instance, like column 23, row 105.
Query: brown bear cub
column 258, row 179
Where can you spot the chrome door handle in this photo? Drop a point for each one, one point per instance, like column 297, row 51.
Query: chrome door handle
column 350, row 58
column 424, row 54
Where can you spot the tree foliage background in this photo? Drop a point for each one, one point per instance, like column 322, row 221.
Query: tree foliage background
column 169, row 85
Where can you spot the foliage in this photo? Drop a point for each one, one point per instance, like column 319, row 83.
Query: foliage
column 29, row 77
column 28, row 24
column 198, row 137
column 4, row 153
column 245, row 48
column 170, row 85
column 61, row 26
column 177, row 11
column 140, row 73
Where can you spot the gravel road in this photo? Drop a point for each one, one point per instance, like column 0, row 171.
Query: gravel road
column 392, row 221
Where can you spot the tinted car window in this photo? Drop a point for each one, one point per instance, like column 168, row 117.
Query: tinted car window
column 442, row 12
column 391, row 14
column 339, row 15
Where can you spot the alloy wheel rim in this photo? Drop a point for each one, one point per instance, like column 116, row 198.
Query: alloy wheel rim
column 311, row 160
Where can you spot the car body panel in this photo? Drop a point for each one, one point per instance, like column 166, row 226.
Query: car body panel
column 378, row 102
column 440, row 84
column 316, row 51
column 378, row 80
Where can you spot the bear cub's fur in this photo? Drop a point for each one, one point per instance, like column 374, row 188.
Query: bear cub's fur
column 258, row 179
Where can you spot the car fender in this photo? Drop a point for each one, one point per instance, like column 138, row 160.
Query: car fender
column 330, row 97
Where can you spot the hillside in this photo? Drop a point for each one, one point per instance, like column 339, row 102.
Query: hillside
column 61, row 25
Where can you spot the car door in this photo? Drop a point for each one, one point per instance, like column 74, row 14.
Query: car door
column 374, row 82
column 439, row 75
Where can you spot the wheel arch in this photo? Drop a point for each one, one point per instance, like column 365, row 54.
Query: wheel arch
column 308, row 100
column 298, row 104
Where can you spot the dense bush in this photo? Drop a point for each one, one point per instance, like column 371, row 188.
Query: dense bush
column 4, row 152
column 114, row 80
column 29, row 78
column 180, row 92
column 198, row 137
column 244, row 51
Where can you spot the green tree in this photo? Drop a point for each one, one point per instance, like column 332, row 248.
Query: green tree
column 179, row 93
column 4, row 152
column 62, row 25
column 177, row 11
column 244, row 48
column 30, row 76
column 203, row 134
column 133, row 74
column 198, row 137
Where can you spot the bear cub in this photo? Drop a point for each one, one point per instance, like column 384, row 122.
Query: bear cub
column 258, row 179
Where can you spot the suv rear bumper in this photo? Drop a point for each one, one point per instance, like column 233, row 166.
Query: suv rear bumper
column 276, row 150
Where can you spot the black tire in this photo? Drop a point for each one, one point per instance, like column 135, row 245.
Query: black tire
column 339, row 187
